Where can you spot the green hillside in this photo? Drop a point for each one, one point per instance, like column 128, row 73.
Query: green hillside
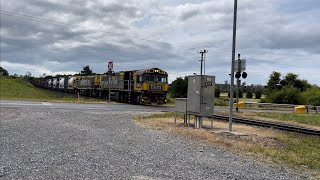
column 18, row 89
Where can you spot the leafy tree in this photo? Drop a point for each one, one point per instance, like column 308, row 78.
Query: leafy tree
column 289, row 80
column 258, row 94
column 28, row 76
column 15, row 75
column 292, row 80
column 249, row 94
column 225, row 86
column 179, row 88
column 217, row 92
column 244, row 87
column 86, row 71
column 3, row 72
column 235, row 94
column 277, row 89
column 274, row 81
column 240, row 93
column 312, row 95
column 288, row 95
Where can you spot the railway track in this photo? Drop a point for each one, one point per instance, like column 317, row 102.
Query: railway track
column 281, row 126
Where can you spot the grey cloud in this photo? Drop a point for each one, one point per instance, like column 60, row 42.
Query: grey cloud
column 263, row 36
column 189, row 14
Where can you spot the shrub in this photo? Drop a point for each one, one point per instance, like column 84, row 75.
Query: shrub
column 287, row 95
column 249, row 95
column 258, row 94
column 312, row 95
column 179, row 88
column 263, row 100
column 217, row 92
column 222, row 101
column 235, row 94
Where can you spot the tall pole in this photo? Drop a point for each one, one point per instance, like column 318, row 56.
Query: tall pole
column 201, row 62
column 202, row 52
column 109, row 94
column 204, row 64
column 233, row 61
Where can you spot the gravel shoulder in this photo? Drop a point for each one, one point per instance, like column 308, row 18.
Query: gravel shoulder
column 40, row 143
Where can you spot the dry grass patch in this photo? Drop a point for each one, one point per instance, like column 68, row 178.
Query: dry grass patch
column 295, row 150
column 254, row 136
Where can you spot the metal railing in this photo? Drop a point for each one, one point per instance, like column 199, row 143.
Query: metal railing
column 309, row 108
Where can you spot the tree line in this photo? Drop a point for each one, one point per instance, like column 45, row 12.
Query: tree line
column 86, row 71
column 289, row 89
column 179, row 89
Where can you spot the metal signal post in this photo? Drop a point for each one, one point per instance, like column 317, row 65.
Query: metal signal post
column 233, row 61
column 110, row 68
column 241, row 67
column 238, row 82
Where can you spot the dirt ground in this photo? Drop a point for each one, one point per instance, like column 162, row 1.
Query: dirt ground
column 243, row 142
column 248, row 135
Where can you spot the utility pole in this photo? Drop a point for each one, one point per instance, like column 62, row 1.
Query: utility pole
column 233, row 61
column 202, row 52
column 109, row 93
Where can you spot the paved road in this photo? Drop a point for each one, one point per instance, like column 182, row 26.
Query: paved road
column 82, row 141
column 84, row 106
column 112, row 107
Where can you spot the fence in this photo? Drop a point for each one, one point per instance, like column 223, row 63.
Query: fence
column 309, row 108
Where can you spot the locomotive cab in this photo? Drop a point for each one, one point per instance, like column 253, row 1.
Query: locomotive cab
column 151, row 86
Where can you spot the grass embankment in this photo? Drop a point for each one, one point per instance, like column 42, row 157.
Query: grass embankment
column 306, row 120
column 295, row 150
column 18, row 89
column 310, row 119
column 223, row 100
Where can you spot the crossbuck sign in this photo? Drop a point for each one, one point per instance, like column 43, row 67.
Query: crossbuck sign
column 110, row 65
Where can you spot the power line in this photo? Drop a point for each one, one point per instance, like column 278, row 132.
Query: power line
column 33, row 18
column 29, row 17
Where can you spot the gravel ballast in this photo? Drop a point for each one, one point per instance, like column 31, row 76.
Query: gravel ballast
column 44, row 143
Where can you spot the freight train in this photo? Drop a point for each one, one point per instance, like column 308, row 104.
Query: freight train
column 135, row 87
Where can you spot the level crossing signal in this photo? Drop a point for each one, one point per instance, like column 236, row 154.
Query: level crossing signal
column 110, row 66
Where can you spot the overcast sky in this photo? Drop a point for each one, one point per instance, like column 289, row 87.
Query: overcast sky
column 272, row 35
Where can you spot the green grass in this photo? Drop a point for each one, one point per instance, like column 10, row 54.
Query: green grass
column 297, row 150
column 310, row 119
column 18, row 89
column 170, row 100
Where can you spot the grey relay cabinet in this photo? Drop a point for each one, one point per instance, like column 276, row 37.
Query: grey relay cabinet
column 200, row 101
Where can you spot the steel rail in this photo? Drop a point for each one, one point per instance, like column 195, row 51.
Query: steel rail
column 281, row 126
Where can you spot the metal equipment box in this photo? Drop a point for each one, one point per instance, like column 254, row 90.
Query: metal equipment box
column 200, row 101
column 181, row 105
